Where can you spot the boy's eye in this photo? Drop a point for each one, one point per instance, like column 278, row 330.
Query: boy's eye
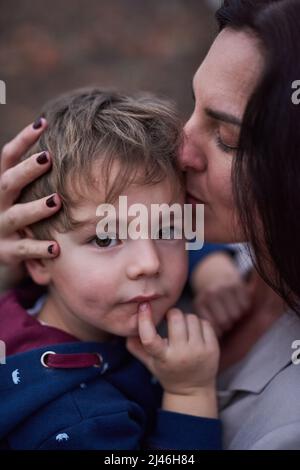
column 105, row 241
column 167, row 233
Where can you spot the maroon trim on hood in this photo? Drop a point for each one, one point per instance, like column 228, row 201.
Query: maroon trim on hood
column 22, row 332
column 71, row 361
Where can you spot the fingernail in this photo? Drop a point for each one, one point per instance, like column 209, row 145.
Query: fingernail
column 143, row 306
column 51, row 249
column 42, row 158
column 37, row 123
column 51, row 201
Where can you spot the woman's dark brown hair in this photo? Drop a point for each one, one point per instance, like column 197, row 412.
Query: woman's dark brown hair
column 266, row 171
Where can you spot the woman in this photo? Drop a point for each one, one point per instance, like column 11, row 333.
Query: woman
column 241, row 158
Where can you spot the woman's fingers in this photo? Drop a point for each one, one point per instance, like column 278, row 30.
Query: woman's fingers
column 177, row 328
column 16, row 178
column 204, row 313
column 22, row 215
column 219, row 313
column 17, row 147
column 152, row 342
column 15, row 175
column 244, row 297
column 14, row 251
column 231, row 305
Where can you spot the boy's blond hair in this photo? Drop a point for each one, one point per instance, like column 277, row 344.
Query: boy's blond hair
column 142, row 134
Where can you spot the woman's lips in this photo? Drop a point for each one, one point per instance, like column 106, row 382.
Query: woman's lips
column 190, row 199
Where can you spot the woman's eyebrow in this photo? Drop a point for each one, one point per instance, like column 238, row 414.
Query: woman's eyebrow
column 224, row 117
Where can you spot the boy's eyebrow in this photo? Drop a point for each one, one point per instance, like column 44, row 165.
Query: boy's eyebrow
column 90, row 223
column 80, row 224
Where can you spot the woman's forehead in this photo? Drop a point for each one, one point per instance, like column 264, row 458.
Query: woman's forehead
column 228, row 75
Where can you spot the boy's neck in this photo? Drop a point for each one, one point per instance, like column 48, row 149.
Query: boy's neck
column 55, row 315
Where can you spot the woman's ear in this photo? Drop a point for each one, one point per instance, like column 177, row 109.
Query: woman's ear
column 38, row 269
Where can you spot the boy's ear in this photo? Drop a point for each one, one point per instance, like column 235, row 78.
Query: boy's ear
column 38, row 269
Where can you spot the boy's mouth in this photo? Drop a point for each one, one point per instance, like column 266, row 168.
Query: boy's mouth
column 144, row 298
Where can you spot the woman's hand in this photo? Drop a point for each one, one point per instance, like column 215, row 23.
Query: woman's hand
column 14, row 176
column 221, row 295
column 185, row 364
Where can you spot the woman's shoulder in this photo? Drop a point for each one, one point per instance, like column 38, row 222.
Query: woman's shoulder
column 260, row 394
column 276, row 412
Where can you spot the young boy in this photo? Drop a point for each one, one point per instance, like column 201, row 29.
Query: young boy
column 69, row 381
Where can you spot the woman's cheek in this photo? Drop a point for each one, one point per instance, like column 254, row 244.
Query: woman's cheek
column 220, row 181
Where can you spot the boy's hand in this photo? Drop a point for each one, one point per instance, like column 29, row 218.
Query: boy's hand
column 221, row 295
column 186, row 363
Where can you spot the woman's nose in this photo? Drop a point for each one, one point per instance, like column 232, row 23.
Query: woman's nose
column 145, row 260
column 192, row 153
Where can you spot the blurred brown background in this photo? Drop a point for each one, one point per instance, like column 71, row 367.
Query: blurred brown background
column 49, row 47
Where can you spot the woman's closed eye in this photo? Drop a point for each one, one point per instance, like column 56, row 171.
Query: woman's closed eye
column 226, row 143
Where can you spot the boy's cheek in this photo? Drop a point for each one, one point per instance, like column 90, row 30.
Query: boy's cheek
column 175, row 277
column 88, row 282
column 82, row 294
column 180, row 271
column 84, row 282
column 76, row 265
column 176, row 264
column 181, row 257
column 87, row 277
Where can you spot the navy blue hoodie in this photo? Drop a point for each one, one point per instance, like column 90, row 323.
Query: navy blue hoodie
column 57, row 392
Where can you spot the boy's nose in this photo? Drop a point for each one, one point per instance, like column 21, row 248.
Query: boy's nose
column 145, row 260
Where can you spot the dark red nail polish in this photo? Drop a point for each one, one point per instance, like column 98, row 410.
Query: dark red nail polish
column 51, row 202
column 37, row 123
column 51, row 249
column 42, row 158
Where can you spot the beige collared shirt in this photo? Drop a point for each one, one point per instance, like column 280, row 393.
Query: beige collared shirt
column 259, row 398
